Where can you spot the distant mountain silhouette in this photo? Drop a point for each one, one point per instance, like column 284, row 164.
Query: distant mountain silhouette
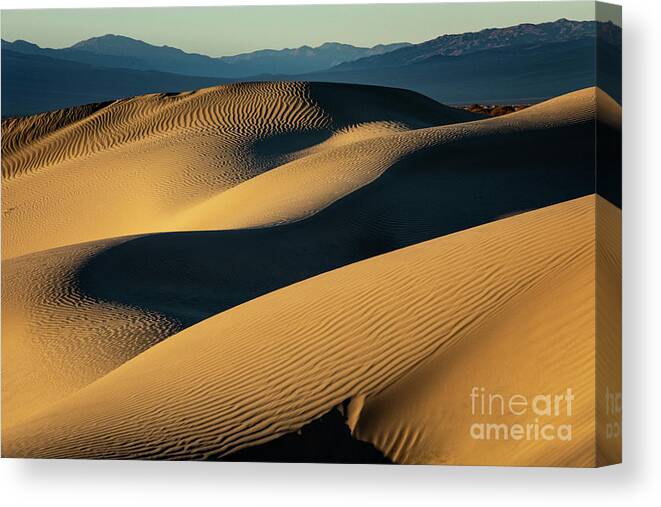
column 514, row 65
column 521, row 73
column 562, row 30
column 305, row 58
column 75, row 55
column 33, row 83
column 124, row 52
column 519, row 64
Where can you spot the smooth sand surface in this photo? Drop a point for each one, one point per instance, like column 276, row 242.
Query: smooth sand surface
column 186, row 276
column 410, row 331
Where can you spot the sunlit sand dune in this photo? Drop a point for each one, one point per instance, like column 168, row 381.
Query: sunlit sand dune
column 130, row 166
column 334, row 171
column 608, row 374
column 542, row 341
column 109, row 300
column 476, row 302
column 196, row 275
column 233, row 156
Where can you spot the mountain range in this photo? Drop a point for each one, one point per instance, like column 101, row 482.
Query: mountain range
column 519, row 74
column 519, row 64
column 562, row 30
column 124, row 52
column 32, row 83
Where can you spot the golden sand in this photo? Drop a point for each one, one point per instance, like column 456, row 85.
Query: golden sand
column 411, row 331
column 404, row 337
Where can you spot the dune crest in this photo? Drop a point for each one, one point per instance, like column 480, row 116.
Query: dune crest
column 339, row 167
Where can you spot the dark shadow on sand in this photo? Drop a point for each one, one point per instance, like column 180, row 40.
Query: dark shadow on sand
column 190, row 276
column 324, row 440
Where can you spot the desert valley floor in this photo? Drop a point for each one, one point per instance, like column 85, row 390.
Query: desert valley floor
column 299, row 271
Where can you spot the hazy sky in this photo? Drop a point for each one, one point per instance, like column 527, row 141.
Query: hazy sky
column 220, row 31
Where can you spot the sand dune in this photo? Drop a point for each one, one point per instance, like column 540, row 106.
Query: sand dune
column 167, row 163
column 56, row 338
column 541, row 341
column 332, row 172
column 110, row 300
column 157, row 155
column 608, row 293
column 194, row 275
column 413, row 317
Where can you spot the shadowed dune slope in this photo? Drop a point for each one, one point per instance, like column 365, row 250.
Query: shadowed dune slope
column 112, row 300
column 361, row 332
column 156, row 155
column 57, row 339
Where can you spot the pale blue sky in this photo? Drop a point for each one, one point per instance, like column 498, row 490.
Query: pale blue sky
column 220, row 31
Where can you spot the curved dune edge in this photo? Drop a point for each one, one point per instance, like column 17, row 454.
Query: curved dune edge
column 158, row 154
column 230, row 157
column 268, row 366
column 56, row 338
column 329, row 174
